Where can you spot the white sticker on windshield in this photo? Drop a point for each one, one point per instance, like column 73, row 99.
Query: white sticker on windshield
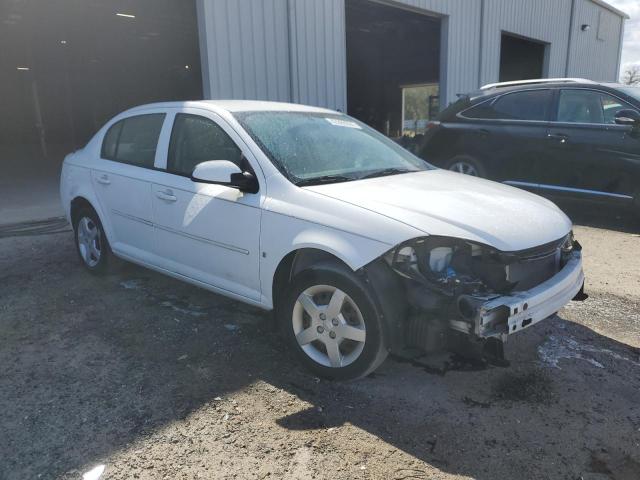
column 343, row 123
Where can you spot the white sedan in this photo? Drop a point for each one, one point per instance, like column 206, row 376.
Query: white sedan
column 360, row 247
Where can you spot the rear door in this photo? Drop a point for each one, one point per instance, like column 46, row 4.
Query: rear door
column 509, row 132
column 210, row 233
column 123, row 182
column 589, row 155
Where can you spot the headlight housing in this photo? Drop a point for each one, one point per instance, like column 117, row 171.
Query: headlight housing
column 443, row 263
column 568, row 244
column 455, row 266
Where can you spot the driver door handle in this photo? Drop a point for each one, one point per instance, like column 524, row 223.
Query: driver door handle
column 166, row 195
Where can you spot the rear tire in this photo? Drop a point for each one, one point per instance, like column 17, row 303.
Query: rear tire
column 330, row 320
column 91, row 242
column 467, row 165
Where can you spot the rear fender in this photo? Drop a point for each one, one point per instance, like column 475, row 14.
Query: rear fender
column 75, row 183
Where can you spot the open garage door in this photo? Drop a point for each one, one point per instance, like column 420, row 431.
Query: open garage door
column 393, row 67
column 522, row 59
column 67, row 66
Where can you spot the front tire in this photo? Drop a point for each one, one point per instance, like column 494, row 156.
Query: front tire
column 91, row 242
column 330, row 320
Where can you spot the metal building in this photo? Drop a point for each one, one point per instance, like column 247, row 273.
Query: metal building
column 316, row 51
column 66, row 66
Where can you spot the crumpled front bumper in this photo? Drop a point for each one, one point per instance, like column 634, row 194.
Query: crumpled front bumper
column 504, row 315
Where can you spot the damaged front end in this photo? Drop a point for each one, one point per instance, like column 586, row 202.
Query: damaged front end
column 457, row 286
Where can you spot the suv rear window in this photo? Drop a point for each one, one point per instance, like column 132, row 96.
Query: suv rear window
column 532, row 105
column 133, row 140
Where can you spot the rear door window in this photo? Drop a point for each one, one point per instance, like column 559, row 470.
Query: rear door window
column 134, row 140
column 530, row 105
column 588, row 106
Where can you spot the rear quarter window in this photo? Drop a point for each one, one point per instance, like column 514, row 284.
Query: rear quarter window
column 531, row 105
column 450, row 112
column 110, row 142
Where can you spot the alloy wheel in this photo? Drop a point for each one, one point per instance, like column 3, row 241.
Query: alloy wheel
column 464, row 167
column 328, row 326
column 89, row 241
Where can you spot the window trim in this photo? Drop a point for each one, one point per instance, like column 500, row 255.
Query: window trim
column 122, row 121
column 555, row 121
column 506, row 120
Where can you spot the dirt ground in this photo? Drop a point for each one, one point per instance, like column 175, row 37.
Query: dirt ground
column 156, row 379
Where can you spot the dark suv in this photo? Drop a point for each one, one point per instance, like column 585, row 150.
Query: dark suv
column 561, row 137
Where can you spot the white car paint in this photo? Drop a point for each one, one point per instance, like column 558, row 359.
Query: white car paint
column 439, row 202
column 232, row 242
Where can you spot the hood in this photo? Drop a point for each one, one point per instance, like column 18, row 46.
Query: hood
column 439, row 202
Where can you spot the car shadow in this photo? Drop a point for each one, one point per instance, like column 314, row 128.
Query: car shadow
column 91, row 366
column 525, row 421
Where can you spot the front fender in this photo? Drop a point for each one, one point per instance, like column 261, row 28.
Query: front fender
column 282, row 235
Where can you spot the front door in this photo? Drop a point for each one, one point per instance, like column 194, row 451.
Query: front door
column 589, row 155
column 210, row 233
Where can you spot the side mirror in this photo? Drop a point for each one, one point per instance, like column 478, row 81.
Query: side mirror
column 628, row 117
column 224, row 172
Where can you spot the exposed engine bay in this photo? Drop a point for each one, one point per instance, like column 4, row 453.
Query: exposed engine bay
column 455, row 288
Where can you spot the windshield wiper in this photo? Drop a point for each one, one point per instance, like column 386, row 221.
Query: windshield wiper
column 386, row 172
column 323, row 180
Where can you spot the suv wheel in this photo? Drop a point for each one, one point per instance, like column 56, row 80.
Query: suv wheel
column 467, row 165
column 330, row 320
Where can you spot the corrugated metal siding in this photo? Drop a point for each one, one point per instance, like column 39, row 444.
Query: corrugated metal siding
column 543, row 20
column 593, row 57
column 245, row 45
column 294, row 50
column 318, row 53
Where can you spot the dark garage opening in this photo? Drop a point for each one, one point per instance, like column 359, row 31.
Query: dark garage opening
column 521, row 59
column 67, row 66
column 393, row 67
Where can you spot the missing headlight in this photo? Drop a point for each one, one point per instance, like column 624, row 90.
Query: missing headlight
column 440, row 258
column 441, row 263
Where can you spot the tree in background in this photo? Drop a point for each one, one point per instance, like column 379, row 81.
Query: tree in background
column 631, row 75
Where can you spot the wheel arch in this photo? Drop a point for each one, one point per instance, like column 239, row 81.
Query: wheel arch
column 77, row 205
column 80, row 201
column 296, row 261
column 384, row 286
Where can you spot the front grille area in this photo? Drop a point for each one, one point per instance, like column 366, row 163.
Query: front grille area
column 528, row 274
column 534, row 266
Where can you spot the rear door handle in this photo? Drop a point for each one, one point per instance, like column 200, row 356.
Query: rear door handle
column 561, row 137
column 483, row 132
column 103, row 179
column 166, row 195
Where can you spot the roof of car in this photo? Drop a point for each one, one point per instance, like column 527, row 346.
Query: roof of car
column 500, row 88
column 236, row 106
